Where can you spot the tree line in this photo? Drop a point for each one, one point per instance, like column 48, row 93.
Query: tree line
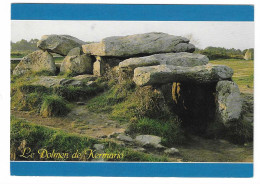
column 223, row 53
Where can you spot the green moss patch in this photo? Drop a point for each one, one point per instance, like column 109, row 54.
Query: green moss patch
column 54, row 105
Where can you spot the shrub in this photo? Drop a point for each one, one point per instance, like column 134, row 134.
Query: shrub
column 29, row 88
column 30, row 102
column 54, row 105
column 124, row 101
column 72, row 93
column 26, row 102
column 240, row 132
column 106, row 101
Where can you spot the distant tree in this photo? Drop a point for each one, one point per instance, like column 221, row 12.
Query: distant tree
column 24, row 45
column 221, row 53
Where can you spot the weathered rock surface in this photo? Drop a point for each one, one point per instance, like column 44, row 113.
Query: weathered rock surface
column 99, row 148
column 163, row 74
column 149, row 141
column 123, row 137
column 60, row 44
column 184, row 47
column 228, row 102
column 176, row 59
column 85, row 77
column 77, row 64
column 139, row 44
column 36, row 62
column 102, row 64
column 99, row 67
column 53, row 81
column 75, row 51
column 171, row 151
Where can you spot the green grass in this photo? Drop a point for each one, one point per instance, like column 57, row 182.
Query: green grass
column 36, row 98
column 243, row 72
column 13, row 65
column 58, row 59
column 124, row 101
column 20, row 54
column 40, row 137
column 113, row 99
column 170, row 130
column 143, row 107
column 54, row 105
column 73, row 93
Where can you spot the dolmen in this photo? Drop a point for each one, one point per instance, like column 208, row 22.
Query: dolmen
column 153, row 59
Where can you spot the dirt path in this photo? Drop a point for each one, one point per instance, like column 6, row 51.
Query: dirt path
column 79, row 120
column 218, row 150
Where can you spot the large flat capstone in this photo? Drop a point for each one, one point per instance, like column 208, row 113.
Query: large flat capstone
column 60, row 44
column 176, row 59
column 163, row 74
column 139, row 44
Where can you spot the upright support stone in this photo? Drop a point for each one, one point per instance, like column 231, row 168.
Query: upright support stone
column 228, row 102
column 77, row 64
column 99, row 66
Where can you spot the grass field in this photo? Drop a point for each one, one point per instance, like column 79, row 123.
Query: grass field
column 243, row 73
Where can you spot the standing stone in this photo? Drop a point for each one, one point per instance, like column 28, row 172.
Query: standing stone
column 139, row 44
column 99, row 67
column 60, row 44
column 163, row 74
column 36, row 61
column 249, row 54
column 77, row 64
column 176, row 59
column 228, row 102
